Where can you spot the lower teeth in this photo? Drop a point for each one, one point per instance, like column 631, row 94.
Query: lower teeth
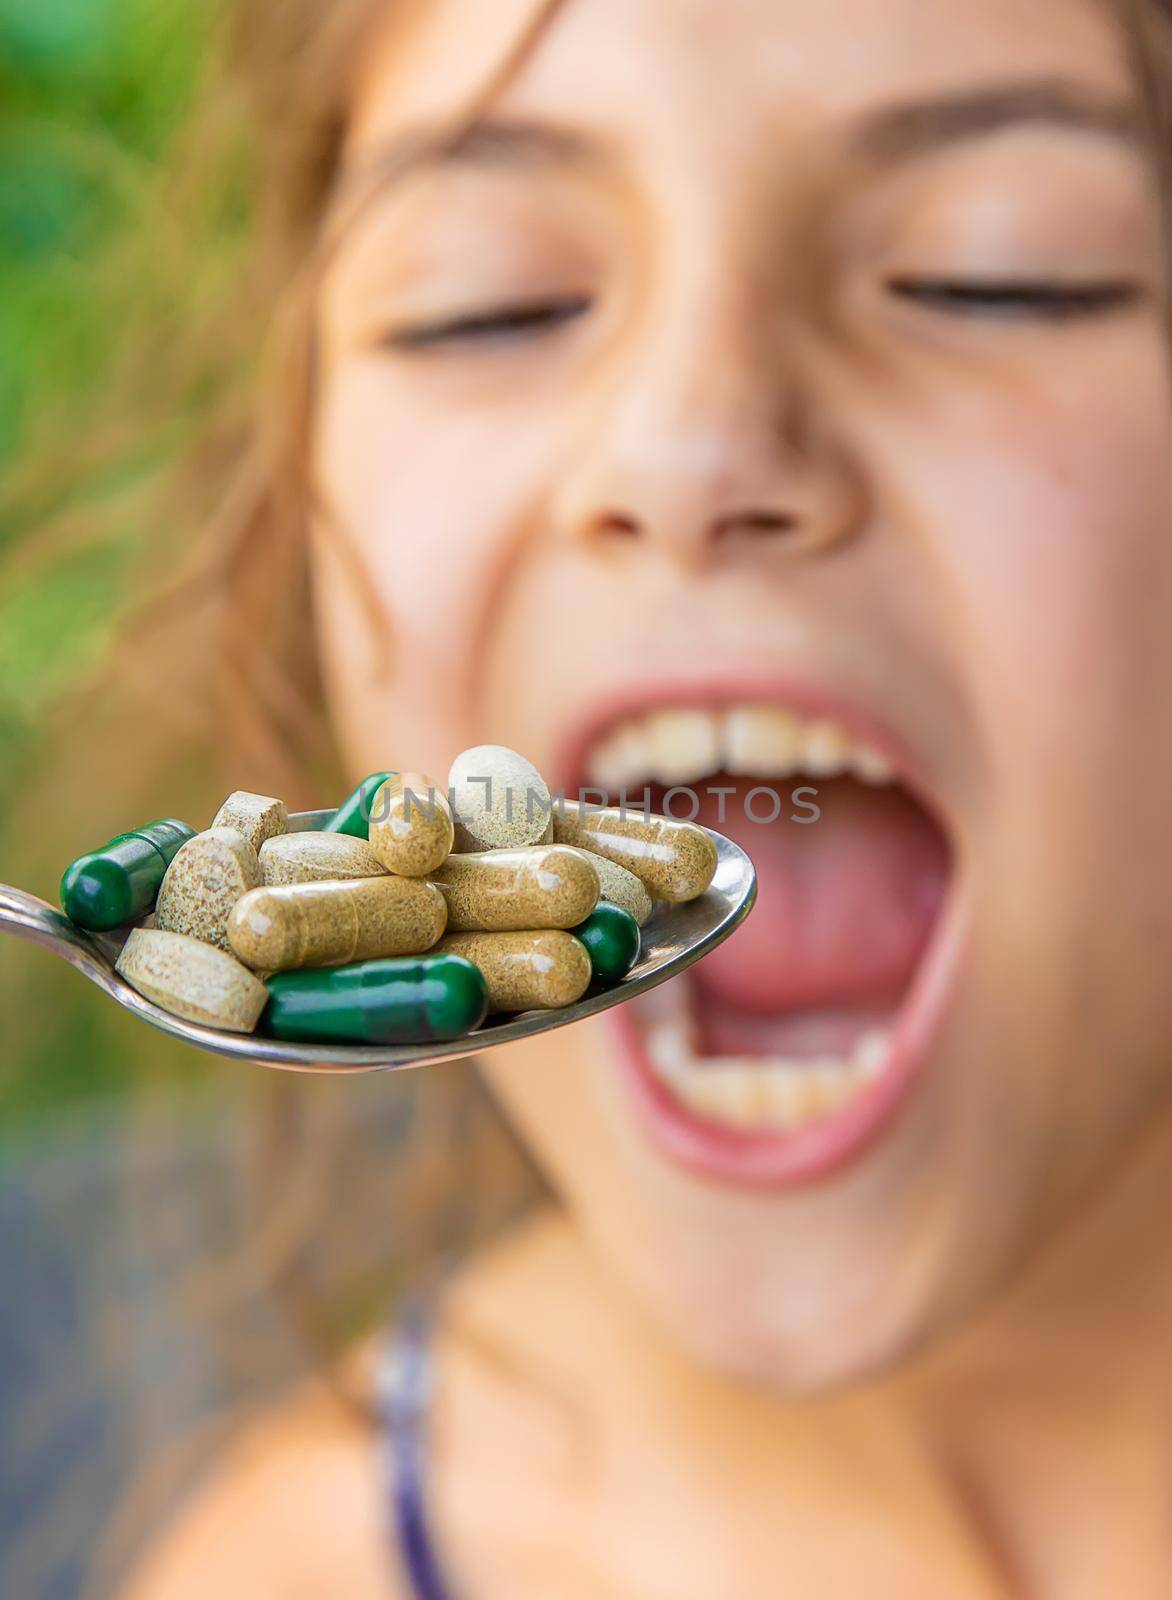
column 747, row 1093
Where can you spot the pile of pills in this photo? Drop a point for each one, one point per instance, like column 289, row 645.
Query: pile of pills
column 407, row 919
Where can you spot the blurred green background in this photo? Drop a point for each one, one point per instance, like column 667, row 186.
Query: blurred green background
column 91, row 92
column 93, row 95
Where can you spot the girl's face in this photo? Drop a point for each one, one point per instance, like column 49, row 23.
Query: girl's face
column 772, row 396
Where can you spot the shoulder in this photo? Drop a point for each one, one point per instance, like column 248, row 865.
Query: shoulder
column 294, row 1506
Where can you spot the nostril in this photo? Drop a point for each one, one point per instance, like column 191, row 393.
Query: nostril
column 755, row 523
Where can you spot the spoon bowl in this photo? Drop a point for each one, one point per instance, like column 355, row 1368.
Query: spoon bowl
column 673, row 938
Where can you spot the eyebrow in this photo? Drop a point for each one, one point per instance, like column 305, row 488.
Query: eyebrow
column 493, row 144
column 908, row 129
column 884, row 136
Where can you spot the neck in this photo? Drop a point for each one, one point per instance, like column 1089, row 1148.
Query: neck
column 1104, row 1283
column 1052, row 1412
column 1036, row 1439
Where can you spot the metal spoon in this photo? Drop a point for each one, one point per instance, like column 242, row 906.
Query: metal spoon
column 673, row 938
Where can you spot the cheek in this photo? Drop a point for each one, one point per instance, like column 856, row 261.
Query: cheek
column 426, row 510
column 1058, row 567
column 1051, row 535
column 1069, row 565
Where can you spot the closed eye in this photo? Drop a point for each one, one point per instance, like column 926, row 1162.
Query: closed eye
column 1047, row 300
column 495, row 323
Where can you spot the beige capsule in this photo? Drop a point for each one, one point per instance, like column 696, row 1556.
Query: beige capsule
column 328, row 924
column 257, row 816
column 525, row 971
column 501, row 801
column 411, row 829
column 192, row 980
column 620, row 887
column 317, row 858
column 204, row 881
column 675, row 861
column 502, row 891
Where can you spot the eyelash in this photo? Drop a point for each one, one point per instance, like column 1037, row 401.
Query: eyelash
column 506, row 322
column 1048, row 301
column 1053, row 302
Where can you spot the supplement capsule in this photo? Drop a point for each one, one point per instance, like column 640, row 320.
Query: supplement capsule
column 675, row 861
column 500, row 800
column 378, row 1002
column 611, row 937
column 328, row 924
column 257, row 816
column 411, row 828
column 353, row 815
column 205, row 880
column 120, row 881
column 191, row 979
column 621, row 887
column 499, row 891
column 317, row 858
column 525, row 971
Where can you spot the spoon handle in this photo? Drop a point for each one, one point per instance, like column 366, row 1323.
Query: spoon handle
column 29, row 918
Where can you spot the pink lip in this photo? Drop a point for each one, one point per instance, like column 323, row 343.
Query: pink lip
column 571, row 758
column 813, row 1153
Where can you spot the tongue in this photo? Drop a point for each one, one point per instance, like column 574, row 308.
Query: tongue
column 845, row 903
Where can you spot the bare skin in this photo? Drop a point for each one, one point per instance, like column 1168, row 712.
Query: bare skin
column 1038, row 1478
column 942, row 1368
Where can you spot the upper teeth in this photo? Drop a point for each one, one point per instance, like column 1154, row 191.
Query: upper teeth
column 680, row 745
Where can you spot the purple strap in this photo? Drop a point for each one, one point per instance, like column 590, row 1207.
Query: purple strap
column 404, row 1391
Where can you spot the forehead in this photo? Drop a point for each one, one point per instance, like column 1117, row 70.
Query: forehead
column 632, row 68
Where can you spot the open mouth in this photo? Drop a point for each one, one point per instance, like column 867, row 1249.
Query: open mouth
column 790, row 1045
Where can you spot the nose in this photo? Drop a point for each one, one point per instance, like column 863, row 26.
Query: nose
column 708, row 443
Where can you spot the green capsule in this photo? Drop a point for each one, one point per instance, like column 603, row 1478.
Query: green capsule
column 409, row 1000
column 353, row 815
column 611, row 936
column 119, row 882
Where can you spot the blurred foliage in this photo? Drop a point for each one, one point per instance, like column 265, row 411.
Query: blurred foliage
column 92, row 96
column 90, row 92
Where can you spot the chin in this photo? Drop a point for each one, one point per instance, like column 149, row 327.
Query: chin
column 739, row 1296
